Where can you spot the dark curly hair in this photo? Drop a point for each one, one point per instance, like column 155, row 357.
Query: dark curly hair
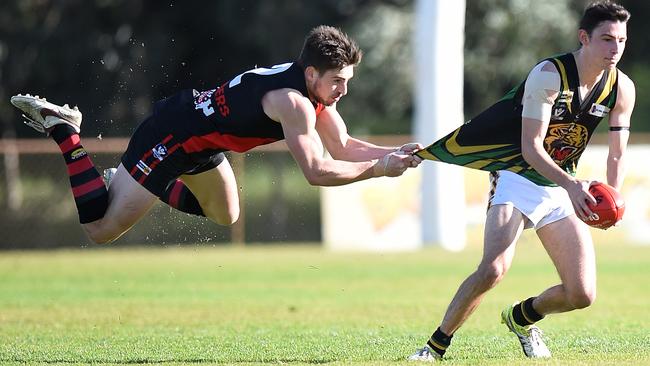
column 601, row 11
column 328, row 48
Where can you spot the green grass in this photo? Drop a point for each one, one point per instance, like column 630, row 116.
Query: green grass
column 298, row 305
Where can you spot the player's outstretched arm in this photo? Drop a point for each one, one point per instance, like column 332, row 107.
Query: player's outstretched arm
column 334, row 135
column 298, row 119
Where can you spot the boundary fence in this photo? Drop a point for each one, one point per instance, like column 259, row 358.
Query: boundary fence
column 11, row 149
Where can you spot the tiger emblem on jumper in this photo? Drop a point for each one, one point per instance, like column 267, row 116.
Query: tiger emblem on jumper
column 566, row 142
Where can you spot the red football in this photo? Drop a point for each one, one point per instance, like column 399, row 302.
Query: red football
column 609, row 208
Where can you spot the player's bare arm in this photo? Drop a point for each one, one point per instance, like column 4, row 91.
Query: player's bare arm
column 619, row 131
column 342, row 146
column 541, row 89
column 334, row 134
column 298, row 119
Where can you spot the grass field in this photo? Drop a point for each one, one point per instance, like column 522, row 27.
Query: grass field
column 298, row 305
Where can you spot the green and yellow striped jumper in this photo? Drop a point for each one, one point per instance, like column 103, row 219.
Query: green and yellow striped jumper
column 492, row 140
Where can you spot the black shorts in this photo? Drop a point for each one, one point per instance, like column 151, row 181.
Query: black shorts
column 155, row 157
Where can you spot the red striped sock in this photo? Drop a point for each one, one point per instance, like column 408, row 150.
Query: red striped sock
column 88, row 189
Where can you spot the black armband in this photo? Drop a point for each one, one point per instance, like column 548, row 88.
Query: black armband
column 619, row 128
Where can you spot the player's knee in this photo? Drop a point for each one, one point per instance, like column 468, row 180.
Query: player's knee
column 582, row 298
column 221, row 216
column 227, row 220
column 98, row 232
column 100, row 238
column 491, row 274
column 100, row 241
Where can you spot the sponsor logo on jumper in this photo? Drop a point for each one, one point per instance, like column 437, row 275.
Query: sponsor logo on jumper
column 566, row 97
column 159, row 151
column 220, row 101
column 78, row 153
column 143, row 167
column 558, row 113
column 598, row 110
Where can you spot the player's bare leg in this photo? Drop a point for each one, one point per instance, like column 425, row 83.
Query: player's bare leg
column 503, row 227
column 570, row 246
column 568, row 243
column 216, row 194
column 104, row 215
column 216, row 191
column 128, row 203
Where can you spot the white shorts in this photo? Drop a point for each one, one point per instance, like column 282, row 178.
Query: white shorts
column 540, row 205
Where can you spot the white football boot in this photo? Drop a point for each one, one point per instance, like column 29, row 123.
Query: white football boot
column 529, row 336
column 42, row 115
column 425, row 354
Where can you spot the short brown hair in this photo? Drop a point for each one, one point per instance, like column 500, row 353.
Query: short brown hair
column 602, row 11
column 328, row 48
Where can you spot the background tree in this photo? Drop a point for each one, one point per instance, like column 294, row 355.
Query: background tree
column 115, row 57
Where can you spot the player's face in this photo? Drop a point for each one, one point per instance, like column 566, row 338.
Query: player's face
column 606, row 44
column 328, row 87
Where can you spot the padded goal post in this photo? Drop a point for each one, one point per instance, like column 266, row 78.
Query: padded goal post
column 438, row 44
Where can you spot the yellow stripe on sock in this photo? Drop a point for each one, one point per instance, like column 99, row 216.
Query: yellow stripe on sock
column 438, row 345
column 523, row 312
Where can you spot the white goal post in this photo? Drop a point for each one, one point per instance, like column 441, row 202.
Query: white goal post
column 438, row 44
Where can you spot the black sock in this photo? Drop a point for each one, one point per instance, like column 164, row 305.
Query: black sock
column 439, row 342
column 88, row 189
column 178, row 196
column 524, row 313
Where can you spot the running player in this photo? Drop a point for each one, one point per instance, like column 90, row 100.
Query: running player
column 176, row 154
column 531, row 141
